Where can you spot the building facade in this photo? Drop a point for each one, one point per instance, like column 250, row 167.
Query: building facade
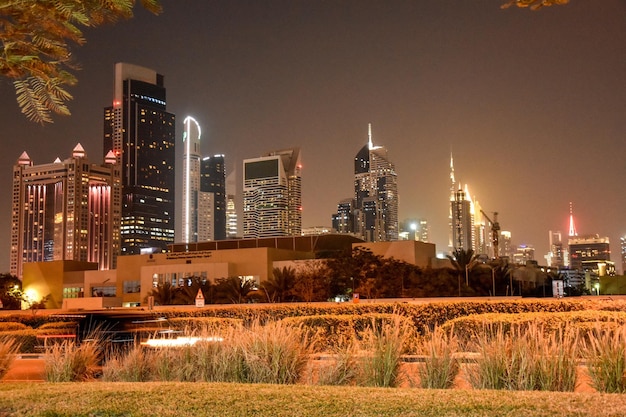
column 141, row 133
column 272, row 195
column 191, row 179
column 586, row 249
column 462, row 221
column 66, row 210
column 212, row 202
column 373, row 213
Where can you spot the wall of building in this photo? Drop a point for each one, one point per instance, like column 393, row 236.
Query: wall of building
column 410, row 251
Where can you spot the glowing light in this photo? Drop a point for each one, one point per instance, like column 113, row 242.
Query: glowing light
column 180, row 341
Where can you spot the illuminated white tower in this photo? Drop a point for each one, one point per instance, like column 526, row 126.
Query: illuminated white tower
column 191, row 179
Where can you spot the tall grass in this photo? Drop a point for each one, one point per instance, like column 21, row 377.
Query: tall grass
column 69, row 362
column 384, row 345
column 343, row 369
column 272, row 353
column 525, row 359
column 440, row 366
column 605, row 351
column 8, row 348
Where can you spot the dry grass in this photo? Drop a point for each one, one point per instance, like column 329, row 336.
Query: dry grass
column 440, row 366
column 8, row 348
column 169, row 399
column 69, row 362
column 605, row 351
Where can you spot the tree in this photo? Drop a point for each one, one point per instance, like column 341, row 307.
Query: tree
column 234, row 290
column 463, row 261
column 312, row 283
column 280, row 285
column 35, row 36
column 10, row 292
column 164, row 294
column 533, row 4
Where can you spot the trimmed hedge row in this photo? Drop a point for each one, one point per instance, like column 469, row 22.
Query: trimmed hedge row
column 471, row 326
column 423, row 315
column 330, row 332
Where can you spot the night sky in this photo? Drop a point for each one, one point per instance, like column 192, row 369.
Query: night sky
column 531, row 104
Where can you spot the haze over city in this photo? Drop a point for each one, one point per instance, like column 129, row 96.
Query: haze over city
column 531, row 104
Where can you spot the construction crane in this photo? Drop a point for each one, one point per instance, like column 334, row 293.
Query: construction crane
column 495, row 232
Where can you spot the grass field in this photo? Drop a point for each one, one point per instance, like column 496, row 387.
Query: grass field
column 99, row 399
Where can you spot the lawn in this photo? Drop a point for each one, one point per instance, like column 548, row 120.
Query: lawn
column 221, row 399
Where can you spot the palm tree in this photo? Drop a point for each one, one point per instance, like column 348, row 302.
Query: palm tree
column 279, row 287
column 463, row 261
column 164, row 294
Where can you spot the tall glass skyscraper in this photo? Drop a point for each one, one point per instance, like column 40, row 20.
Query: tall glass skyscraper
column 375, row 194
column 212, row 199
column 141, row 134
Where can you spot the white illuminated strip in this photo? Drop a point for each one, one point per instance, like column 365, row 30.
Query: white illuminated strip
column 180, row 341
column 187, row 175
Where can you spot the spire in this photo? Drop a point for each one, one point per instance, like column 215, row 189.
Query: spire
column 79, row 151
column 24, row 159
column 370, row 143
column 572, row 228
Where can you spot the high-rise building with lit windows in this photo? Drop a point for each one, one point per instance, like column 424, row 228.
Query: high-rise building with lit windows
column 141, row 133
column 375, row 213
column 232, row 219
column 272, row 195
column 65, row 210
column 462, row 221
column 212, row 199
column 191, row 179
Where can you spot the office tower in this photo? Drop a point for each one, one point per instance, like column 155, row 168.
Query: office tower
column 462, row 221
column 141, row 134
column 588, row 250
column 506, row 247
column 453, row 189
column 191, row 179
column 622, row 241
column 343, row 220
column 523, row 254
column 212, row 199
column 414, row 229
column 555, row 258
column 232, row 219
column 375, row 194
column 272, row 195
column 65, row 210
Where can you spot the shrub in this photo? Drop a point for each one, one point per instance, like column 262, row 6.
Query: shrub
column 11, row 326
column 440, row 366
column 69, row 362
column 57, row 327
column 525, row 359
column 605, row 351
column 343, row 368
column 25, row 339
column 133, row 365
column 8, row 348
column 381, row 366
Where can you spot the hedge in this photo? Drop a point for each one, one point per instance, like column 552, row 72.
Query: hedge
column 470, row 326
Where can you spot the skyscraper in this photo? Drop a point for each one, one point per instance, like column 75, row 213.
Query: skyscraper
column 191, row 179
column 375, row 194
column 462, row 221
column 232, row 219
column 141, row 134
column 272, row 195
column 212, row 199
column 65, row 210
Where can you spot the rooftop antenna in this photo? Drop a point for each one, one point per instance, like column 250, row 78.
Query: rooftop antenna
column 572, row 228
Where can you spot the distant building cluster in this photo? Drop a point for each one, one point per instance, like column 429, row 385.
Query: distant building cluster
column 77, row 210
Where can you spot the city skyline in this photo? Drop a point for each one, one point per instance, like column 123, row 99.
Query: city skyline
column 530, row 103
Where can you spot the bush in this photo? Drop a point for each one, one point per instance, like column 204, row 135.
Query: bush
column 525, row 359
column 25, row 339
column 69, row 362
column 11, row 326
column 470, row 327
column 440, row 366
column 605, row 351
column 381, row 366
column 8, row 348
